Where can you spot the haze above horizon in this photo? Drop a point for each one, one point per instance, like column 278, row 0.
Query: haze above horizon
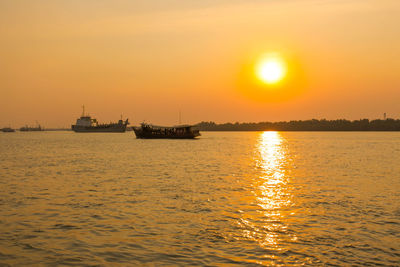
column 148, row 60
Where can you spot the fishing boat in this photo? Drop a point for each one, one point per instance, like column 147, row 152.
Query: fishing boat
column 87, row 124
column 149, row 131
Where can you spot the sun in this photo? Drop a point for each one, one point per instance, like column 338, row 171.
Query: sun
column 271, row 70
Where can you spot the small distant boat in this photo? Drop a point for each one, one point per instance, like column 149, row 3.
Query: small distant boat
column 7, row 130
column 86, row 124
column 149, row 131
column 26, row 128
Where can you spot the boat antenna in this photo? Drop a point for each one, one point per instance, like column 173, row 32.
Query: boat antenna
column 180, row 117
column 83, row 111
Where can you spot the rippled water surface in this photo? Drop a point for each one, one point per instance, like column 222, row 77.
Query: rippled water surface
column 257, row 198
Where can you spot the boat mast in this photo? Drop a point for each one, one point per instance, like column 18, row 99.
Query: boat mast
column 83, row 111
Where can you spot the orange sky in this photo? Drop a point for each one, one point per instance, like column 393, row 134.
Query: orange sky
column 150, row 59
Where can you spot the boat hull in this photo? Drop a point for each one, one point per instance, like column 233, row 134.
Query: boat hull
column 143, row 134
column 8, row 130
column 27, row 129
column 99, row 129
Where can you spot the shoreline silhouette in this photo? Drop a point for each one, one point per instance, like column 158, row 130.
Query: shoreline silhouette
column 323, row 125
column 305, row 125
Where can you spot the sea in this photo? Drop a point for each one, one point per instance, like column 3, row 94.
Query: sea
column 225, row 199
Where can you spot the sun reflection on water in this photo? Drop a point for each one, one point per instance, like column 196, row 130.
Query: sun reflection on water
column 271, row 161
column 266, row 222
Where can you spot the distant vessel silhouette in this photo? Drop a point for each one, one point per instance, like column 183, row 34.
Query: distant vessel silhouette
column 86, row 124
column 148, row 131
column 27, row 128
column 7, row 130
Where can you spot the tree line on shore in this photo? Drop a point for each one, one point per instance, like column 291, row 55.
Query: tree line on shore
column 305, row 125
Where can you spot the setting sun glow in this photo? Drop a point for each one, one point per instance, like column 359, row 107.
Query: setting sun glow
column 271, row 70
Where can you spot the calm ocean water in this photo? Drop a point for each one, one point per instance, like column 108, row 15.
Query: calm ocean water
column 248, row 198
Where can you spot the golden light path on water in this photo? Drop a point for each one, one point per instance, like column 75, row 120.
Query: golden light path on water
column 267, row 222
